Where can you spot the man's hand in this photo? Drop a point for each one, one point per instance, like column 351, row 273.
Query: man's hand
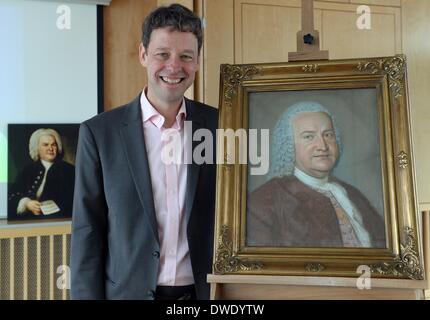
column 34, row 207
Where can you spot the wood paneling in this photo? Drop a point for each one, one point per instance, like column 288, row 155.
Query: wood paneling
column 218, row 46
column 187, row 3
column 416, row 46
column 343, row 39
column 124, row 76
column 343, row 1
column 393, row 3
column 267, row 33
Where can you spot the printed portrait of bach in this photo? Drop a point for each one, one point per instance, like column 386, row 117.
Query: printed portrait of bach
column 302, row 204
column 47, row 177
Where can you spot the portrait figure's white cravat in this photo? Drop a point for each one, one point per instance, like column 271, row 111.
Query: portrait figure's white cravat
column 324, row 185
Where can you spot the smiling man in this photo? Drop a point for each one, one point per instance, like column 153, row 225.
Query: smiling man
column 143, row 228
column 302, row 205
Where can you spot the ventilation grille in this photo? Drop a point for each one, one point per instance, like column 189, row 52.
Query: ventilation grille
column 35, row 268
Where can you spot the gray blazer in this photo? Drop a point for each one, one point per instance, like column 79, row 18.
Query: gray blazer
column 115, row 247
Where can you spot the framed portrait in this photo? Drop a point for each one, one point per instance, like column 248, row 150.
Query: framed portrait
column 315, row 170
column 41, row 170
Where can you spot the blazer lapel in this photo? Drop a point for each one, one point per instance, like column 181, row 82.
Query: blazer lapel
column 193, row 169
column 137, row 159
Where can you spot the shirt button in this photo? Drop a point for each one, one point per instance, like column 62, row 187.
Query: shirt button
column 151, row 294
column 156, row 254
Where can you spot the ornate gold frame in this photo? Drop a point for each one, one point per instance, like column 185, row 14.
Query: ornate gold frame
column 403, row 256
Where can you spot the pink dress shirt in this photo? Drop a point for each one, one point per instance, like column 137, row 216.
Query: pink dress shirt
column 168, row 188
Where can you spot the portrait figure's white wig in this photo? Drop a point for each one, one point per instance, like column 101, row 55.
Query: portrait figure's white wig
column 33, row 144
column 283, row 154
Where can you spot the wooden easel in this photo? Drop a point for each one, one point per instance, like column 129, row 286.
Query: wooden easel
column 308, row 39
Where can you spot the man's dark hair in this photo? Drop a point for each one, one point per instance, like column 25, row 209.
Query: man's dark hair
column 177, row 18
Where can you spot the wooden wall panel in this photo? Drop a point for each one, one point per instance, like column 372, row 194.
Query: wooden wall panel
column 394, row 3
column 342, row 1
column 343, row 39
column 187, row 3
column 218, row 46
column 416, row 46
column 267, row 32
column 124, row 76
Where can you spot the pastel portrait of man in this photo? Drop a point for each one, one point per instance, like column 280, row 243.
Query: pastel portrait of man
column 302, row 204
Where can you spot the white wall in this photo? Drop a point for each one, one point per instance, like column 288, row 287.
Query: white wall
column 47, row 75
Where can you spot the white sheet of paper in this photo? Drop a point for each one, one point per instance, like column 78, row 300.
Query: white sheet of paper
column 49, row 207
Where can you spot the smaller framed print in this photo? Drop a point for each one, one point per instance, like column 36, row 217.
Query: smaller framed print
column 41, row 171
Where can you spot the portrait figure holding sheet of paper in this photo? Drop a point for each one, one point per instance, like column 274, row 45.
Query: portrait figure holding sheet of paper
column 43, row 188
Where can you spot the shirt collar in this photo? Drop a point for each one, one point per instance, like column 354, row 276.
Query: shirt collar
column 46, row 164
column 310, row 181
column 150, row 114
